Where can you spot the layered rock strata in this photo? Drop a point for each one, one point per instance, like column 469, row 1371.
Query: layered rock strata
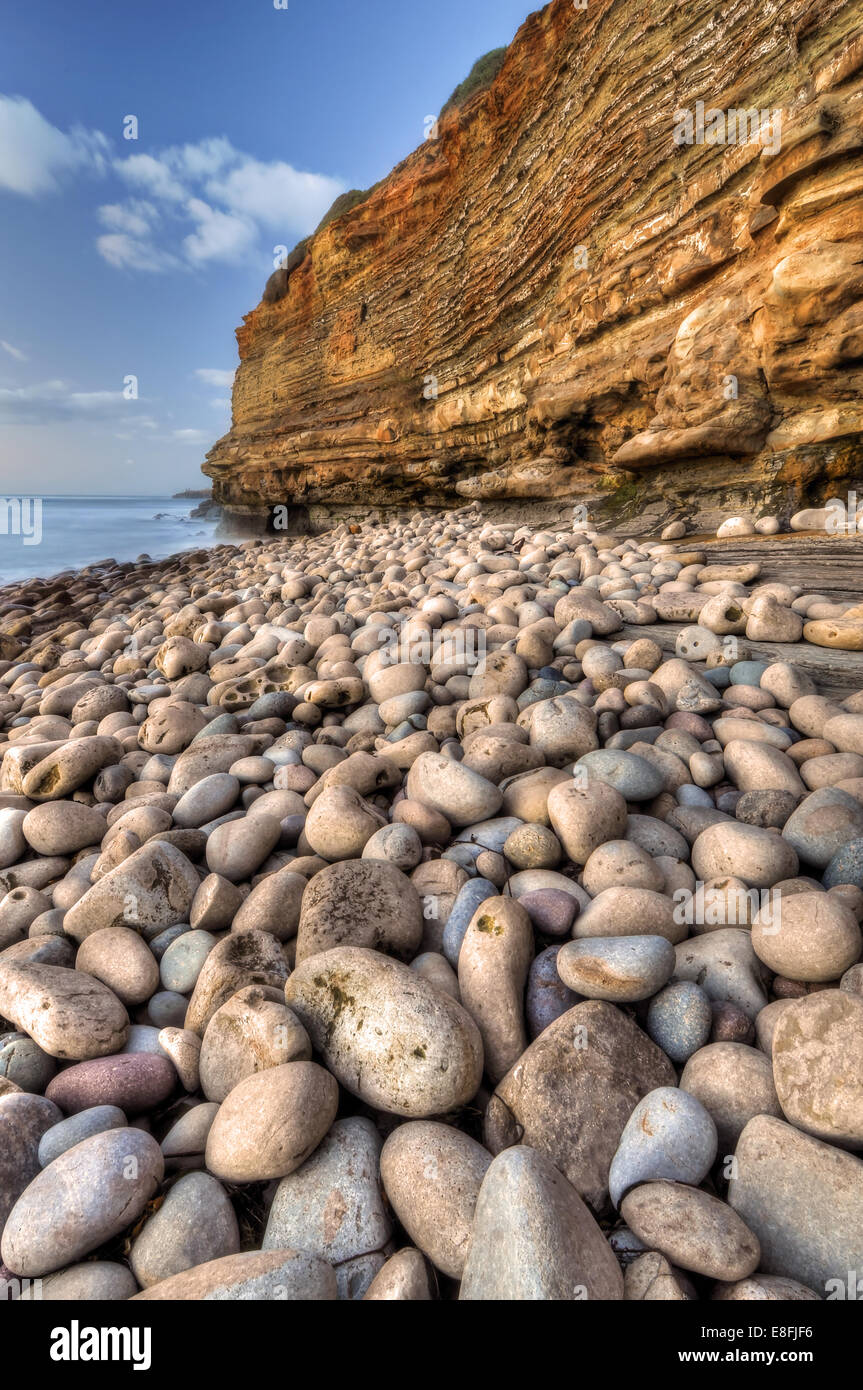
column 628, row 272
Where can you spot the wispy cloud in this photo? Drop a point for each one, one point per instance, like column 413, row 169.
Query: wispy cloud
column 141, row 425
column 209, row 202
column 275, row 194
column 134, row 253
column 188, row 206
column 134, row 217
column 51, row 401
column 192, row 436
column 35, row 156
column 215, row 376
column 218, row 236
column 22, row 356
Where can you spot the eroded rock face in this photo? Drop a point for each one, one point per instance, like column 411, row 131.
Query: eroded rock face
column 553, row 296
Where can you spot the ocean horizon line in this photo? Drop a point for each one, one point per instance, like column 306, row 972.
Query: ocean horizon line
column 101, row 496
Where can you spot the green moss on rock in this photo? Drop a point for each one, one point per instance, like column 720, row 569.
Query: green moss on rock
column 481, row 75
column 344, row 203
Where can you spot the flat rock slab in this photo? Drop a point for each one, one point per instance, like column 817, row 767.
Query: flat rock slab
column 133, row 1081
column 66, row 1012
column 836, row 673
column 23, row 1121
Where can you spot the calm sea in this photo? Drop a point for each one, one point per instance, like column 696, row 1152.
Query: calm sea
column 72, row 532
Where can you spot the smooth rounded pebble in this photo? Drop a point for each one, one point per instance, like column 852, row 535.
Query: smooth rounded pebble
column 452, row 789
column 679, row 1020
column 239, row 959
column 183, row 961
column 621, row 969
column 249, row 1033
column 759, row 857
column 432, row 1175
column 122, row 960
column 360, row 902
column 493, row 966
column 270, row 1122
column 669, row 1135
column 87, row 1195
column 195, row 1223
column 571, row 1093
column 822, row 824
column 809, row 937
column 333, row 1206
column 403, row 1279
column 153, row 887
column 818, row 1066
column 96, row 1281
column 692, row 1230
column 77, row 1127
column 534, row 1238
column 348, row 999
column 585, row 818
column 733, row 1082
column 259, row 1276
column 803, row 1199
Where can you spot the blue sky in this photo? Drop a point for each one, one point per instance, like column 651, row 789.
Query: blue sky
column 137, row 258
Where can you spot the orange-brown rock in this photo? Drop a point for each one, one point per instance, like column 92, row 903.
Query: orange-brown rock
column 553, row 299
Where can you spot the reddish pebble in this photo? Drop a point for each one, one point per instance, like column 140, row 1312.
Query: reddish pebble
column 730, row 1024
column 134, row 1081
column 690, row 724
column 551, row 910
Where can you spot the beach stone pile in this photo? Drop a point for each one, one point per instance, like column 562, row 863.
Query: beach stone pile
column 380, row 918
column 838, row 517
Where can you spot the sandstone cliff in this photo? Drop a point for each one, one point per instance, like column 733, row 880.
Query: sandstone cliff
column 553, row 300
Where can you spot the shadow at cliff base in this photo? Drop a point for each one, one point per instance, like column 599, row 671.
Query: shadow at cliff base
column 247, row 523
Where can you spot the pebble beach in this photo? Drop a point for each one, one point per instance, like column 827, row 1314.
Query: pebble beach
column 388, row 915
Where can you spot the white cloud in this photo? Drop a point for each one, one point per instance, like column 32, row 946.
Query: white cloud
column 214, row 376
column 34, row 154
column 188, row 205
column 135, row 217
column 220, row 236
column 50, row 401
column 22, row 356
column 126, row 252
column 229, row 198
column 203, row 160
column 221, row 402
column 154, row 175
column 169, row 173
column 276, row 195
column 138, row 424
column 192, row 436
